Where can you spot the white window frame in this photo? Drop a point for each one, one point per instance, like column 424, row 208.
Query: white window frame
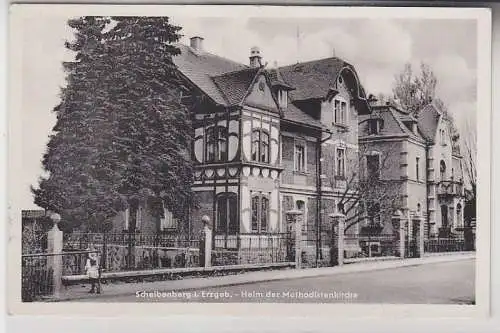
column 138, row 218
column 282, row 98
column 126, row 215
column 168, row 222
column 295, row 152
column 337, row 174
column 345, row 120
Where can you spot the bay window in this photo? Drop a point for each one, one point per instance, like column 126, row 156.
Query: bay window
column 216, row 144
column 260, row 146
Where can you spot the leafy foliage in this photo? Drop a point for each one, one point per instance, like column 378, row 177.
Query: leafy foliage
column 413, row 91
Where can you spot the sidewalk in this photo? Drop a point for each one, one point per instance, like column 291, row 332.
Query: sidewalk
column 121, row 289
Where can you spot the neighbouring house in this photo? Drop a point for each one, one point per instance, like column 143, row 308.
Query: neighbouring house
column 422, row 163
column 446, row 195
column 266, row 140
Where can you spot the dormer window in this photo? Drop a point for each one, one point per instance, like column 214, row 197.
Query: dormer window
column 340, row 107
column 373, row 126
column 282, row 98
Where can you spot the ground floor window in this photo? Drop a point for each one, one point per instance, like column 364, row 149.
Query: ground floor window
column 260, row 213
column 227, row 213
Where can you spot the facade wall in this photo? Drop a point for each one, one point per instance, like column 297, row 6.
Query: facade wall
column 444, row 207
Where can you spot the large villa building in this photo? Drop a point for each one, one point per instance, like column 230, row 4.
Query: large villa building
column 270, row 140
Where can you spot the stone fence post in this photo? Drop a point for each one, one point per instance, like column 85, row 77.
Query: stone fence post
column 420, row 237
column 399, row 234
column 54, row 248
column 296, row 219
column 338, row 221
column 206, row 243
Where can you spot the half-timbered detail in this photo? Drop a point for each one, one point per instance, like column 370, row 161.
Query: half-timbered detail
column 269, row 140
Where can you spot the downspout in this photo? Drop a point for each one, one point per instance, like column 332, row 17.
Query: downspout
column 319, row 182
column 427, row 188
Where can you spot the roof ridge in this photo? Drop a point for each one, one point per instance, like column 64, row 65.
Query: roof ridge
column 316, row 60
column 189, row 48
column 235, row 71
column 404, row 129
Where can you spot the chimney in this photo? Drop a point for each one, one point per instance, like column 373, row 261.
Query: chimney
column 255, row 57
column 196, row 43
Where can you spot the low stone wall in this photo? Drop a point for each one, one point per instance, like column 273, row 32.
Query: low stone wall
column 309, row 257
column 248, row 256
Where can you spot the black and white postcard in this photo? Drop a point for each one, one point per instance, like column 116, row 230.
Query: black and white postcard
column 247, row 160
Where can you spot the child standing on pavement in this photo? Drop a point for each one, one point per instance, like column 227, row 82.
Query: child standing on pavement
column 92, row 270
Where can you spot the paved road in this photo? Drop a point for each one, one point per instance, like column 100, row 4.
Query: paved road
column 442, row 283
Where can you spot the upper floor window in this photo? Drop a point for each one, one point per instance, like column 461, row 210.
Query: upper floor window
column 373, row 126
column 340, row 162
column 282, row 98
column 260, row 146
column 417, row 168
column 442, row 170
column 339, row 111
column 216, row 144
column 300, row 157
column 442, row 135
column 373, row 166
column 260, row 213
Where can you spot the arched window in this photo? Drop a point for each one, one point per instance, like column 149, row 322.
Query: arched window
column 227, row 214
column 216, row 144
column 301, row 205
column 260, row 146
column 442, row 170
column 260, row 213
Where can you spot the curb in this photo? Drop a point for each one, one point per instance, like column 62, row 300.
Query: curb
column 320, row 272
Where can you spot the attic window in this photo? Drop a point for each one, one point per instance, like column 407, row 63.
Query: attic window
column 373, row 126
column 340, row 80
column 282, row 98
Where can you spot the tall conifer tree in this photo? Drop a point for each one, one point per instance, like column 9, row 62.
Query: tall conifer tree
column 122, row 134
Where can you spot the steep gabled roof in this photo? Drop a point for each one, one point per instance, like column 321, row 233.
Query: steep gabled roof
column 392, row 123
column 296, row 115
column 234, row 85
column 428, row 119
column 198, row 67
column 314, row 79
column 277, row 79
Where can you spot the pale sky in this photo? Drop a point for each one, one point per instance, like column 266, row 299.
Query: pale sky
column 378, row 48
